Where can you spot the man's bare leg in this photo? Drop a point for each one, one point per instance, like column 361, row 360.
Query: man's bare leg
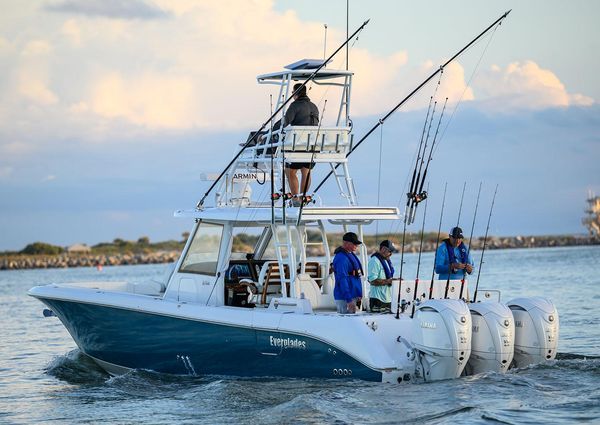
column 292, row 178
column 305, row 185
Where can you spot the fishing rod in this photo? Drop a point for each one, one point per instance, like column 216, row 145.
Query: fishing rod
column 415, row 91
column 462, row 281
column 419, row 262
column 462, row 197
column 415, row 194
column 437, row 241
column 484, row 244
column 272, row 164
column 420, row 193
column 254, row 137
column 304, row 197
column 401, row 266
column 411, row 192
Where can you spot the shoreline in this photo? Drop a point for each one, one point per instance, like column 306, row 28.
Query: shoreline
column 65, row 260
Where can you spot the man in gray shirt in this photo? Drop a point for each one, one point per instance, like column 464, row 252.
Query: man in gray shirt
column 300, row 112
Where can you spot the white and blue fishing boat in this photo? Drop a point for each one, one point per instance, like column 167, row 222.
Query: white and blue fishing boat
column 271, row 312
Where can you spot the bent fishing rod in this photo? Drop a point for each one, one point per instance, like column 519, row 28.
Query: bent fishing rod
column 273, row 115
column 462, row 281
column 437, row 242
column 415, row 91
column 484, row 244
column 462, row 197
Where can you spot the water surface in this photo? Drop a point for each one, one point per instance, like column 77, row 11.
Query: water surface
column 44, row 377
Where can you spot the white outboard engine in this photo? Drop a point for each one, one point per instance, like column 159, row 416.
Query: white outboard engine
column 493, row 338
column 536, row 330
column 441, row 336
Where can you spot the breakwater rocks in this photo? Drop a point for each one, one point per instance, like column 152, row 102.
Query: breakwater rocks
column 17, row 262
column 22, row 261
column 511, row 242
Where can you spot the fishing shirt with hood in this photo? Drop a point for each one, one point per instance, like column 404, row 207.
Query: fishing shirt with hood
column 460, row 254
column 300, row 112
column 347, row 270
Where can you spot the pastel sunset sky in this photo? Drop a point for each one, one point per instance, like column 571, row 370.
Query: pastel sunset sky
column 111, row 109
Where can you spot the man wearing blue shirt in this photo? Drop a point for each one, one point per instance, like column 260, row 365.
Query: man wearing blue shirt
column 453, row 257
column 348, row 271
column 381, row 272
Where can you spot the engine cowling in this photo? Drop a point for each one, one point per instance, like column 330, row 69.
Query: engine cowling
column 536, row 330
column 493, row 338
column 441, row 336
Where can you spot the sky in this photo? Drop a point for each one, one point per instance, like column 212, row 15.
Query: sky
column 110, row 110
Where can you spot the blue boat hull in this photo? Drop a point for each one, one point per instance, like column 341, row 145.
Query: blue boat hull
column 141, row 340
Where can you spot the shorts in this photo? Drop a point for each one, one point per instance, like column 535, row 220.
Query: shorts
column 378, row 306
column 342, row 305
column 299, row 165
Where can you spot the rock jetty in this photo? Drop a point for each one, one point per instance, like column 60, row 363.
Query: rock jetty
column 17, row 262
column 64, row 260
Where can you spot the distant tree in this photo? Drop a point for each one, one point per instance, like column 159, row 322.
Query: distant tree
column 144, row 240
column 41, row 248
column 119, row 242
column 185, row 236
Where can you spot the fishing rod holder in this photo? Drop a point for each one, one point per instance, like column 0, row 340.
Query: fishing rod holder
column 420, row 197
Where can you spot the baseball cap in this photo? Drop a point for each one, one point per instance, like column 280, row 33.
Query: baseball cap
column 389, row 245
column 456, row 233
column 351, row 237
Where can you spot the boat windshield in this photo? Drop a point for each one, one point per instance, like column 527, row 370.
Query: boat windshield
column 203, row 254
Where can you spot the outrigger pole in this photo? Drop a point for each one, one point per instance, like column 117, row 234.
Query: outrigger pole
column 419, row 87
column 484, row 244
column 273, row 115
column 437, row 242
column 462, row 282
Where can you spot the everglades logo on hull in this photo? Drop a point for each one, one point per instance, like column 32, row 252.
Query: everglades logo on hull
column 287, row 343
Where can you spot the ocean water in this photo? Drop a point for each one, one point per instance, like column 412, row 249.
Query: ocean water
column 45, row 379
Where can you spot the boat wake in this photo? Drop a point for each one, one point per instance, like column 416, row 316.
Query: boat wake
column 77, row 368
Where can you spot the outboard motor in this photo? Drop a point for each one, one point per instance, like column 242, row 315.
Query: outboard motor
column 493, row 338
column 536, row 330
column 441, row 336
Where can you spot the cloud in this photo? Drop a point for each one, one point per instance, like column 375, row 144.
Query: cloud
column 36, row 48
column 524, row 85
column 116, row 79
column 151, row 100
column 49, row 178
column 32, row 77
column 72, row 31
column 121, row 9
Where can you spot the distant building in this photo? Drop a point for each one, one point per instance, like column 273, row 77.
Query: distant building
column 79, row 248
column 592, row 218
